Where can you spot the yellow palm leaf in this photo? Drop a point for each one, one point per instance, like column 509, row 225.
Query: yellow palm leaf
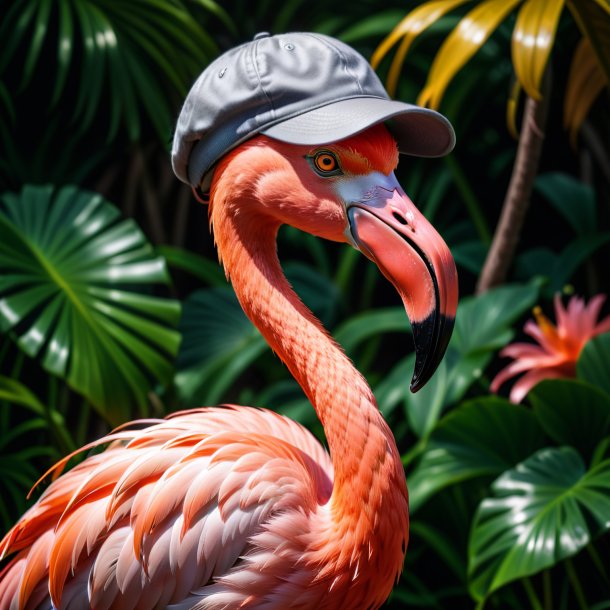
column 410, row 27
column 463, row 42
column 533, row 39
column 586, row 81
column 591, row 16
column 511, row 109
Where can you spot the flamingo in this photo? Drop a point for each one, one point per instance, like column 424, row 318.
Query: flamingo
column 238, row 507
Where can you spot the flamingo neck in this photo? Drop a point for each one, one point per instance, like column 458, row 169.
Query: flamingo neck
column 369, row 486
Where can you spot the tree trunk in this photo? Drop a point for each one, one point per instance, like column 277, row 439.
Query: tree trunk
column 516, row 202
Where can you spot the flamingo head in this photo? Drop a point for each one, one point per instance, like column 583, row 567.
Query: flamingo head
column 346, row 191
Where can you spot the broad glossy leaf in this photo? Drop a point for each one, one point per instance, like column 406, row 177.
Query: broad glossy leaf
column 572, row 413
column 74, row 279
column 533, row 39
column 573, row 256
column 470, row 255
column 207, row 271
column 219, row 343
column 484, row 323
column 544, row 510
column 317, row 292
column 392, row 389
column 586, row 80
column 424, row 408
column 593, row 364
column 462, row 371
column 287, row 397
column 535, row 263
column 571, row 198
column 463, row 42
column 482, row 437
column 369, row 324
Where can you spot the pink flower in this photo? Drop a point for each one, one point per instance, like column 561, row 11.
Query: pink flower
column 558, row 346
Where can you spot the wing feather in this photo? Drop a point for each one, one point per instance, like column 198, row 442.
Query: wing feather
column 164, row 512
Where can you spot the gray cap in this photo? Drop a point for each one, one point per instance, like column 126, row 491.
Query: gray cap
column 300, row 88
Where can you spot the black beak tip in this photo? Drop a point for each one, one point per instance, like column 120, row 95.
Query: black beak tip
column 431, row 338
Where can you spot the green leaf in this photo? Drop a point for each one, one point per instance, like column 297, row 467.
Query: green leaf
column 15, row 392
column 594, row 362
column 41, row 27
column 370, row 324
column 317, row 292
column 377, row 24
column 424, row 408
column 574, row 255
column 73, row 284
column 392, row 389
column 484, row 323
column 435, row 540
column 470, row 255
column 482, row 437
column 203, row 269
column 535, row 262
column 287, row 397
column 462, row 371
column 571, row 198
column 219, row 342
column 135, row 58
column 572, row 413
column 544, row 510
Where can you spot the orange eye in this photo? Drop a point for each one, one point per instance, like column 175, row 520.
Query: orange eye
column 325, row 163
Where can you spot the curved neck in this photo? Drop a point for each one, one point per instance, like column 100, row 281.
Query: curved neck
column 366, row 462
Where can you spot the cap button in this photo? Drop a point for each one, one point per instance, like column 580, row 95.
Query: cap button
column 261, row 35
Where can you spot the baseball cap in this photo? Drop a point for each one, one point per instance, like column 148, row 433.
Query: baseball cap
column 301, row 88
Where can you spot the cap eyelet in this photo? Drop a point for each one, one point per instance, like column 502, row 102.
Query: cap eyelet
column 289, row 46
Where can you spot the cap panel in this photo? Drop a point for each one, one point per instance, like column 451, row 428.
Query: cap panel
column 227, row 90
column 299, row 72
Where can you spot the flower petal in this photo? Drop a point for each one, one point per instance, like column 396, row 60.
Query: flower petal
column 514, row 368
column 529, row 380
column 523, row 350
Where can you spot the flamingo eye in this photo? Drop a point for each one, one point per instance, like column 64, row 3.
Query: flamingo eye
column 325, row 163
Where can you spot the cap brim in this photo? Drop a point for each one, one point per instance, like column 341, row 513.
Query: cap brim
column 418, row 131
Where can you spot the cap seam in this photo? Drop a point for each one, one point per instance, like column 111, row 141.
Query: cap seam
column 258, row 75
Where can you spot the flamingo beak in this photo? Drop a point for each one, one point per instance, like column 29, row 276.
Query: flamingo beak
column 387, row 228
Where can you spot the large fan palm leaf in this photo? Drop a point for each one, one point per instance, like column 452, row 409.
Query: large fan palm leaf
column 75, row 283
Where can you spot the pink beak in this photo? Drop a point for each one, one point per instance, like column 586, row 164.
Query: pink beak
column 392, row 232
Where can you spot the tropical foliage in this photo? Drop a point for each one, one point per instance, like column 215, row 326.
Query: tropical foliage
column 112, row 305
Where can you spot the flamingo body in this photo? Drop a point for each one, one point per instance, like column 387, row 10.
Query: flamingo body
column 152, row 520
column 227, row 508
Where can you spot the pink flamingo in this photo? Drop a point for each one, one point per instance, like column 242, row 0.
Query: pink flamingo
column 235, row 507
